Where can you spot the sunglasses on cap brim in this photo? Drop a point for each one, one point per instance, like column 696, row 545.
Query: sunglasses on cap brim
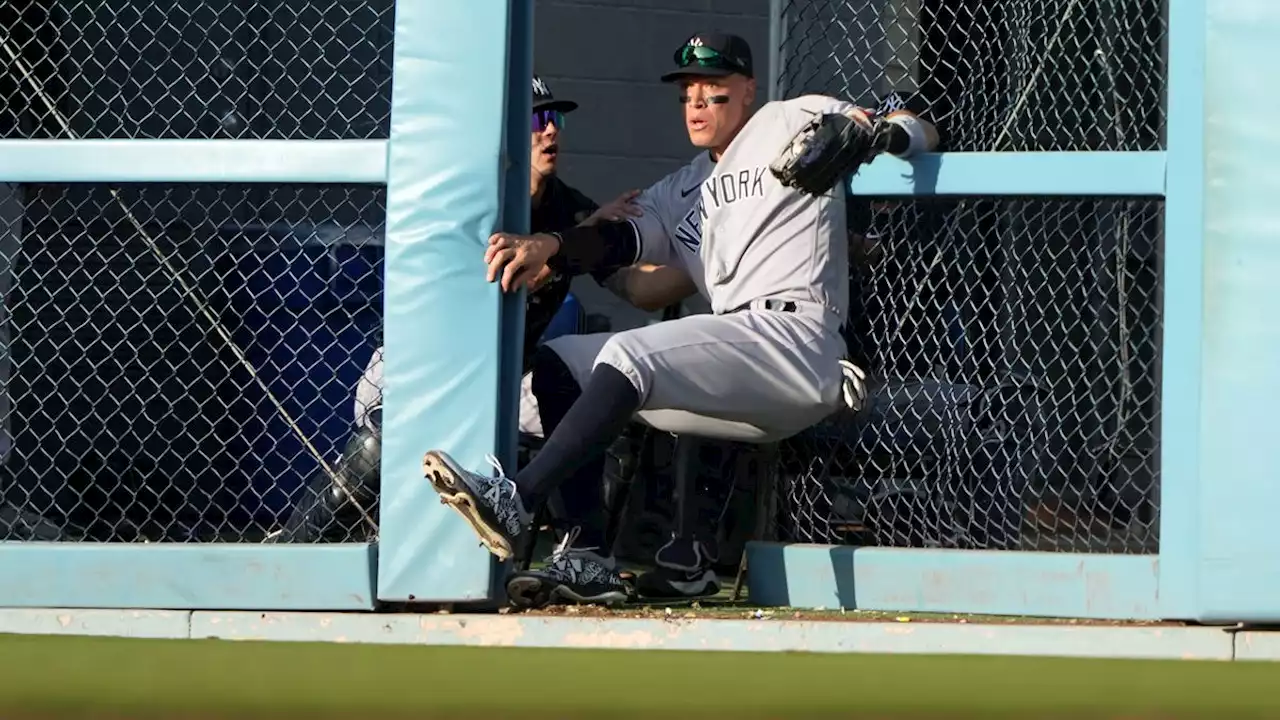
column 544, row 118
column 691, row 55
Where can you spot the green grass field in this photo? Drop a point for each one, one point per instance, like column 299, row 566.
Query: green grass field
column 73, row 677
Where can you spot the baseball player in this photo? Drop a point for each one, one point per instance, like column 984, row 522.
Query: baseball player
column 326, row 512
column 670, row 209
column 771, row 257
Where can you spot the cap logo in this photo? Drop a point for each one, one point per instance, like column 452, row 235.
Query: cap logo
column 540, row 87
column 892, row 102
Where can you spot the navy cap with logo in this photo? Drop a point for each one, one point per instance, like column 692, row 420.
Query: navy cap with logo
column 544, row 100
column 711, row 54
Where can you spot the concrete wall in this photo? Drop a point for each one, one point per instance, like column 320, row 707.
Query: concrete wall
column 608, row 55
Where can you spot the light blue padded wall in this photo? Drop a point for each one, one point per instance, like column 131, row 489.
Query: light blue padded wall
column 442, row 318
column 1235, row 548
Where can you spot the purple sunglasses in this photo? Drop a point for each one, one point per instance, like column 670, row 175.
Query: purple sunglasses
column 543, row 118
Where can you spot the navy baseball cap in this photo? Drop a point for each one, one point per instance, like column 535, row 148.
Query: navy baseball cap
column 713, row 54
column 544, row 100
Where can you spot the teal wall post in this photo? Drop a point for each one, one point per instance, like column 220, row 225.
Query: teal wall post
column 443, row 342
column 1236, row 557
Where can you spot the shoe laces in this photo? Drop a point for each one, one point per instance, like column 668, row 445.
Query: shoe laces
column 566, row 549
column 502, row 478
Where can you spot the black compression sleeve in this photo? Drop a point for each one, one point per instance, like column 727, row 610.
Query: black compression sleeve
column 604, row 246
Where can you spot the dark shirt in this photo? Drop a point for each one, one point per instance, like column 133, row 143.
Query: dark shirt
column 561, row 208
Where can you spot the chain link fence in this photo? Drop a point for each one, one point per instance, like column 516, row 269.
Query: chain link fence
column 294, row 69
column 1014, row 340
column 180, row 359
column 998, row 75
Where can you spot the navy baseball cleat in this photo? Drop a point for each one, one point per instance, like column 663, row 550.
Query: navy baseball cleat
column 490, row 504
column 684, row 571
column 573, row 576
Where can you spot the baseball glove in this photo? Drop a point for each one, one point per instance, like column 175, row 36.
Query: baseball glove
column 826, row 150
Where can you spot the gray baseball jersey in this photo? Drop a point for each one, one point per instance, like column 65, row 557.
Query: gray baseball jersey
column 670, row 226
column 759, row 249
column 774, row 264
column 763, row 240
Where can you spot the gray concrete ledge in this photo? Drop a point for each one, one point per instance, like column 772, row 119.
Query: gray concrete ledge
column 766, row 635
column 1257, row 645
column 111, row 623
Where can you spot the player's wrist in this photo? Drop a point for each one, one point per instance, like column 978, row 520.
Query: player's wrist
column 552, row 241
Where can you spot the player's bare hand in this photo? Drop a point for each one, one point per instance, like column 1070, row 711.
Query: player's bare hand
column 517, row 260
column 620, row 208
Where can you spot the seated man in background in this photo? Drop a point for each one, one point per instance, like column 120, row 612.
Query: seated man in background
column 326, row 512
